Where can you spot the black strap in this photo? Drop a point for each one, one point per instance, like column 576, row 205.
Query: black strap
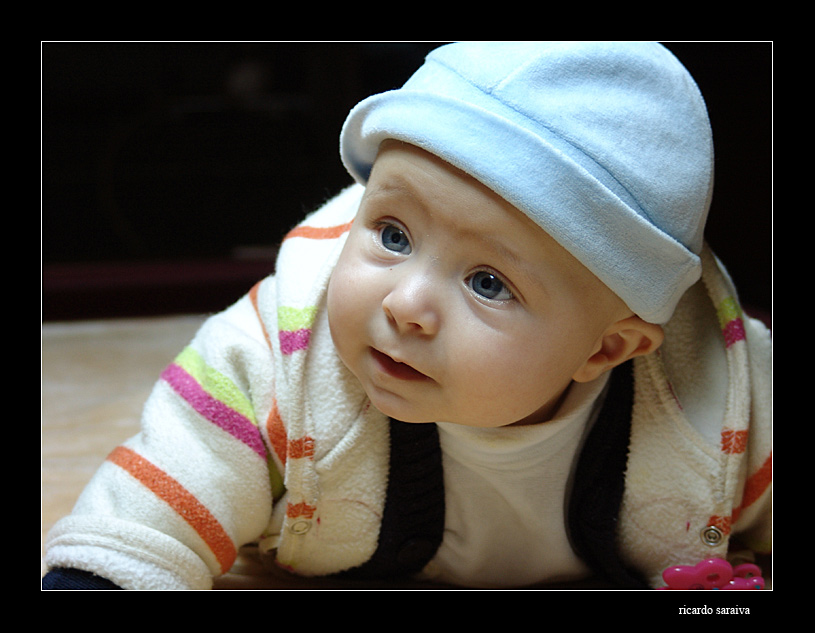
column 413, row 522
column 599, row 484
column 63, row 578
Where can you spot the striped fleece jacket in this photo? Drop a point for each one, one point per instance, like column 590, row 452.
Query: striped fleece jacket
column 258, row 433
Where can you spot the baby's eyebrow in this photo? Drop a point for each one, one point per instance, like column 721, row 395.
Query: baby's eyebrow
column 514, row 261
column 392, row 185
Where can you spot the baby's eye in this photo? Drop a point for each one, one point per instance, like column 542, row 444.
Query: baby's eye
column 394, row 239
column 490, row 286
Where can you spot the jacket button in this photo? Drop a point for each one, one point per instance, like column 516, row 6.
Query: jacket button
column 300, row 527
column 711, row 535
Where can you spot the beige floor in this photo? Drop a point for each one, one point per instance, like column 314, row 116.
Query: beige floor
column 95, row 379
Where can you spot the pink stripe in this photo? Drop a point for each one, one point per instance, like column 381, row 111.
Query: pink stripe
column 733, row 332
column 214, row 410
column 290, row 342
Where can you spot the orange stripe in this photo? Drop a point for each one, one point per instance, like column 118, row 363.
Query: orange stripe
column 734, row 442
column 277, row 433
column 302, row 509
column 758, row 482
column 723, row 523
column 180, row 500
column 755, row 486
column 302, row 448
column 318, row 232
column 253, row 296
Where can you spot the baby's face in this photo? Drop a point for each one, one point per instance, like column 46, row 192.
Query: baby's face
column 449, row 304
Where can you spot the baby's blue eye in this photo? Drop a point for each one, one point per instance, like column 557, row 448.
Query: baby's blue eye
column 490, row 286
column 394, row 239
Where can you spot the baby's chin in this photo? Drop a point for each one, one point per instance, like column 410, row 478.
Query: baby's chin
column 402, row 413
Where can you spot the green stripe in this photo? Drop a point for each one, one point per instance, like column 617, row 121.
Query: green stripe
column 728, row 310
column 293, row 319
column 215, row 383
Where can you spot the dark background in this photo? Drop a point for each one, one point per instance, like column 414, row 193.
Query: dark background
column 171, row 170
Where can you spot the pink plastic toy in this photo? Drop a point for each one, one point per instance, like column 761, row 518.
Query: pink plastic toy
column 713, row 573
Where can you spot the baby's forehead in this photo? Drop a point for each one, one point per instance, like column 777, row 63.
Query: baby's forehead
column 448, row 194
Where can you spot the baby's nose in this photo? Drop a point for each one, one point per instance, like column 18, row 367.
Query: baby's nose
column 412, row 306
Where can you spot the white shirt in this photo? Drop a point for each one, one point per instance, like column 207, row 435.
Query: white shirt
column 505, row 494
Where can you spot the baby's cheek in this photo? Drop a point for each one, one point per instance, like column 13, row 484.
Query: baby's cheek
column 336, row 306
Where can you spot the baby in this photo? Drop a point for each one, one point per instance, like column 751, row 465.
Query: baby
column 451, row 375
column 444, row 290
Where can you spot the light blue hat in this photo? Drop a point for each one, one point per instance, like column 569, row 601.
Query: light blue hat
column 605, row 145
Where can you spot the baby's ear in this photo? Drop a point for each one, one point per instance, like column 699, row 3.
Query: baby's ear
column 622, row 341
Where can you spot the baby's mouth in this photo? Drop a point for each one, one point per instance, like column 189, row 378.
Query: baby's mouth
column 394, row 368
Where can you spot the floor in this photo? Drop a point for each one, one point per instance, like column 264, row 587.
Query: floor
column 96, row 376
